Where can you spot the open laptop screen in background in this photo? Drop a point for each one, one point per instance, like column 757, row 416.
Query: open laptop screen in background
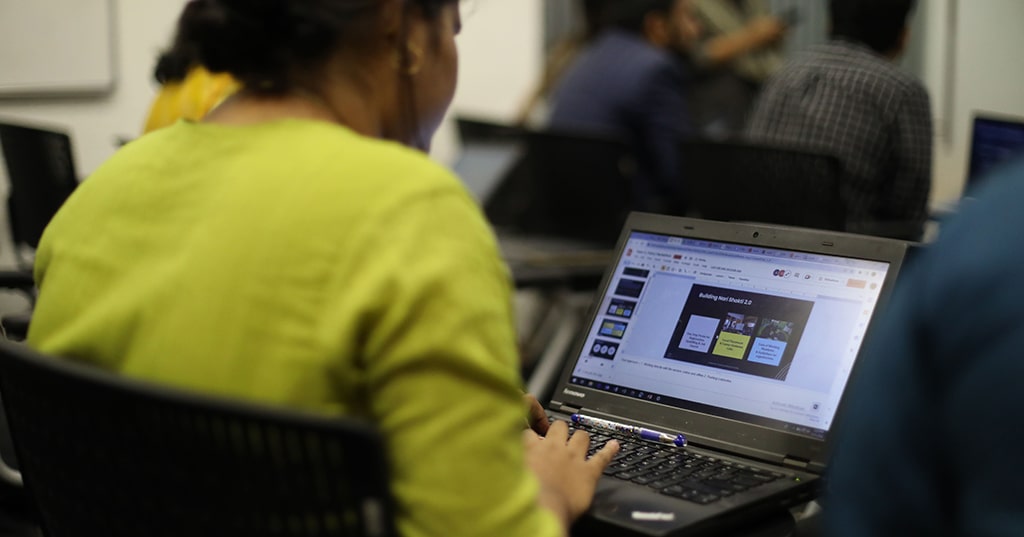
column 763, row 336
column 994, row 141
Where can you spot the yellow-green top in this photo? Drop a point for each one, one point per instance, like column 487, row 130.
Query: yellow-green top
column 300, row 264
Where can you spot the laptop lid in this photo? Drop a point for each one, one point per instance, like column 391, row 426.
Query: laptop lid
column 567, row 186
column 488, row 153
column 741, row 337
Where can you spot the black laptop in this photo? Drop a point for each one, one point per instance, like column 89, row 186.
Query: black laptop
column 741, row 338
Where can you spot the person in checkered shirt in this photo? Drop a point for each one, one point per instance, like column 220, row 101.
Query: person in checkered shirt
column 848, row 98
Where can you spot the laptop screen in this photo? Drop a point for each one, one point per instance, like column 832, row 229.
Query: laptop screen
column 993, row 142
column 763, row 336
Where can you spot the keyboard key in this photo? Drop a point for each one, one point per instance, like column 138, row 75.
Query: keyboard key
column 704, row 499
column 630, row 475
column 665, row 482
column 674, row 490
column 645, row 479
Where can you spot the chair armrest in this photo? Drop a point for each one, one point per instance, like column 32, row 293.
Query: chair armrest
column 17, row 279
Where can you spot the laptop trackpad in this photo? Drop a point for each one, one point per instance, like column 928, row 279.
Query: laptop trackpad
column 644, row 510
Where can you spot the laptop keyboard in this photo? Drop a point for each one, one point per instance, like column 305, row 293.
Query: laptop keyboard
column 674, row 471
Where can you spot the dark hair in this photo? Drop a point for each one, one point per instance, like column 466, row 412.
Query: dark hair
column 630, row 15
column 875, row 23
column 263, row 42
column 173, row 65
column 594, row 17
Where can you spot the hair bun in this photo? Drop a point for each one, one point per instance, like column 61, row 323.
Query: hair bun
column 257, row 41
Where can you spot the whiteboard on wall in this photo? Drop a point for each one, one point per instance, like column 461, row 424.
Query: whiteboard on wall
column 56, row 47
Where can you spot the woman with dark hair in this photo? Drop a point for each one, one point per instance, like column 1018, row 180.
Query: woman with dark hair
column 292, row 248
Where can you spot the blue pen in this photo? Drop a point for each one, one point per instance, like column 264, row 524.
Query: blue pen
column 647, row 434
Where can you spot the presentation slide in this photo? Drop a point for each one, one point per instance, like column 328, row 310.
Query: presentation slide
column 630, row 288
column 739, row 331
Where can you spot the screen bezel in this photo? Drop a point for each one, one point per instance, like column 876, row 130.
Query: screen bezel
column 704, row 429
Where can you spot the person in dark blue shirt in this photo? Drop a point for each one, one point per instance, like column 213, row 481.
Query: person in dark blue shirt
column 932, row 436
column 630, row 84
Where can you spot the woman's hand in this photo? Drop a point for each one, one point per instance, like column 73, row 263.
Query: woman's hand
column 567, row 477
column 536, row 418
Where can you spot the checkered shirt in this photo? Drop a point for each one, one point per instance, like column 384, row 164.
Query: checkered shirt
column 843, row 99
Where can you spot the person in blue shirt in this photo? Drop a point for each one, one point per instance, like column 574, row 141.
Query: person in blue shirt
column 629, row 84
column 932, row 436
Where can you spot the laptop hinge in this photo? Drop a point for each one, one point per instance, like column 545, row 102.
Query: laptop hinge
column 797, row 463
column 568, row 409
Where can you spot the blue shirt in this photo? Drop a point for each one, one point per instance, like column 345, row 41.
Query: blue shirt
column 624, row 87
column 932, row 439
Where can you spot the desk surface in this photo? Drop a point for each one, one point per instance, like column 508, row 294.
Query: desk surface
column 548, row 262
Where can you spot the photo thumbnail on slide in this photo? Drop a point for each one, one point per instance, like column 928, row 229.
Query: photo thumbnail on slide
column 604, row 349
column 739, row 331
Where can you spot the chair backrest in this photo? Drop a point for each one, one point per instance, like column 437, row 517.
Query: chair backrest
column 105, row 455
column 735, row 181
column 566, row 185
column 477, row 130
column 41, row 169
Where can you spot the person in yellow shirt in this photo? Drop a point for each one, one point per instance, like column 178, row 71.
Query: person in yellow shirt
column 187, row 90
column 294, row 248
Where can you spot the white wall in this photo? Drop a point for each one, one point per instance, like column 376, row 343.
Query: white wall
column 501, row 52
column 987, row 43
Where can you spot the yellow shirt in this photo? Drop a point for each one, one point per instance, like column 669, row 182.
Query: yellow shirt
column 190, row 99
column 299, row 264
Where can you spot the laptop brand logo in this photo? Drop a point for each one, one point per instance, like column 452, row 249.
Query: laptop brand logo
column 645, row 516
column 567, row 391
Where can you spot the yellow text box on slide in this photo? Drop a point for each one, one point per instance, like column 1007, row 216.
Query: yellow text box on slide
column 731, row 345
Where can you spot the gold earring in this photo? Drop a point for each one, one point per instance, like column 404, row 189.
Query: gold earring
column 411, row 63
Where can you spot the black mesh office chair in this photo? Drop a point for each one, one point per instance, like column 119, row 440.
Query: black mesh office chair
column 41, row 171
column 105, row 455
column 735, row 181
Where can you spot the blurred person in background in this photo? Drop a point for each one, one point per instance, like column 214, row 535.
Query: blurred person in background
column 930, row 435
column 297, row 248
column 630, row 84
column 740, row 48
column 850, row 99
column 561, row 57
